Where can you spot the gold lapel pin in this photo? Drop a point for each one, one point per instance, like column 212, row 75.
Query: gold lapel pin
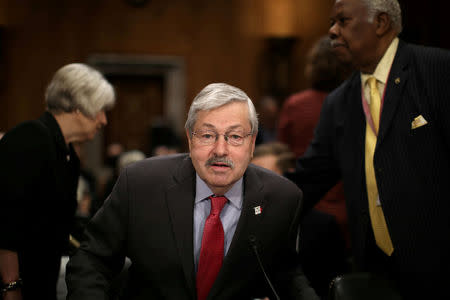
column 397, row 80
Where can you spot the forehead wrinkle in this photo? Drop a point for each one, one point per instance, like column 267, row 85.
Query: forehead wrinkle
column 233, row 127
column 343, row 5
column 228, row 129
column 210, row 126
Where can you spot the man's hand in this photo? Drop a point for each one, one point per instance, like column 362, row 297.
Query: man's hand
column 9, row 271
column 13, row 295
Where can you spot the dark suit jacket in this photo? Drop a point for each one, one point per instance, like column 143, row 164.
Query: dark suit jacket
column 322, row 252
column 149, row 218
column 38, row 201
column 411, row 165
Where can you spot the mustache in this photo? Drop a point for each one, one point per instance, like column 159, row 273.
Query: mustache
column 335, row 43
column 223, row 160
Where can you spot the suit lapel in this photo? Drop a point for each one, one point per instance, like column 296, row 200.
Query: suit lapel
column 180, row 200
column 394, row 88
column 354, row 134
column 247, row 226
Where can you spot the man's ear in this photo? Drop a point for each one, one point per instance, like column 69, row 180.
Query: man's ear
column 253, row 141
column 383, row 23
column 189, row 139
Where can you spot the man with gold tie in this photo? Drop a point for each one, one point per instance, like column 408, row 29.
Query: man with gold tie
column 386, row 133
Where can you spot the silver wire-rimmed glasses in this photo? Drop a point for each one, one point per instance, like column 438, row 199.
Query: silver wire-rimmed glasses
column 209, row 137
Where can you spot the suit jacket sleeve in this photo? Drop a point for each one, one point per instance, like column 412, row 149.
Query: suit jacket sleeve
column 290, row 281
column 291, row 277
column 100, row 258
column 317, row 171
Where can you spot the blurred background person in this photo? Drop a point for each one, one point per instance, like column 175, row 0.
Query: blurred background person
column 322, row 248
column 83, row 215
column 84, row 199
column 129, row 157
column 274, row 156
column 39, row 176
column 121, row 159
column 87, row 194
column 113, row 152
column 163, row 138
column 268, row 113
column 109, row 174
column 164, row 150
column 125, row 158
column 300, row 113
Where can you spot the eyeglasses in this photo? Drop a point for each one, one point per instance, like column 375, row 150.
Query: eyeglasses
column 209, row 137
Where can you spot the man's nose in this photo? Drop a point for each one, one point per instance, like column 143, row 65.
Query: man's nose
column 333, row 31
column 221, row 145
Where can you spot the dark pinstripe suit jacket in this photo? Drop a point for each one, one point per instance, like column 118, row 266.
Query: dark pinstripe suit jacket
column 412, row 166
column 149, row 218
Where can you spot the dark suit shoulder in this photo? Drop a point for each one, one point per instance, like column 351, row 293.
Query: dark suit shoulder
column 428, row 74
column 163, row 163
column 274, row 182
column 340, row 93
column 430, row 64
column 159, row 169
column 428, row 54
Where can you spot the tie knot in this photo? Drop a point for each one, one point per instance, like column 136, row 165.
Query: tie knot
column 372, row 81
column 217, row 204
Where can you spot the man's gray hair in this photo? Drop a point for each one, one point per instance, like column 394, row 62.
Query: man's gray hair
column 79, row 87
column 216, row 95
column 391, row 7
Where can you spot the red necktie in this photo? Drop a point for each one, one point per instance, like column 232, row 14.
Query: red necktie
column 211, row 252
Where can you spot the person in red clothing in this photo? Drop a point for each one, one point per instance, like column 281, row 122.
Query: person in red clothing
column 300, row 114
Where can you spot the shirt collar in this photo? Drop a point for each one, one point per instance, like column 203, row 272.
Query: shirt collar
column 234, row 195
column 381, row 72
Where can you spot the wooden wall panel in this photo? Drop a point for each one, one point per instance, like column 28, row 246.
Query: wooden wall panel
column 47, row 34
column 220, row 40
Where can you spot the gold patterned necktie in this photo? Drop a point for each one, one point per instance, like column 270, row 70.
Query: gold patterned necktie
column 379, row 226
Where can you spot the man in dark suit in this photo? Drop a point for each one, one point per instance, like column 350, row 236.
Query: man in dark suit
column 386, row 133
column 163, row 211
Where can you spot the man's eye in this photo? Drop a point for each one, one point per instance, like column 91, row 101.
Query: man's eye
column 344, row 20
column 207, row 136
column 236, row 137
